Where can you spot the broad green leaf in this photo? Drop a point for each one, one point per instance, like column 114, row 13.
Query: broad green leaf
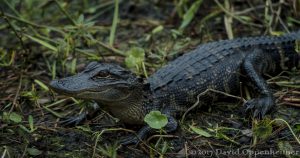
column 156, row 120
column 200, row 131
column 15, row 117
column 34, row 151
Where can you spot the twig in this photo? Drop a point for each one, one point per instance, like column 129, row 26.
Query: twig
column 228, row 21
column 205, row 92
column 236, row 17
column 15, row 105
column 246, row 11
column 287, row 124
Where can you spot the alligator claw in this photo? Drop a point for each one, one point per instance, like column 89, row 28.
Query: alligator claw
column 75, row 120
column 260, row 106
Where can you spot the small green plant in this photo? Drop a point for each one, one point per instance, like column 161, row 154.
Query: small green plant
column 11, row 117
column 6, row 58
column 218, row 133
column 263, row 129
column 200, row 131
column 135, row 60
column 286, row 148
column 156, row 120
column 31, row 125
column 34, row 151
column 109, row 150
column 156, row 30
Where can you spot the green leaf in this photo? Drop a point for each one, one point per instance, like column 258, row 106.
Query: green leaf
column 156, row 120
column 297, row 127
column 220, row 135
column 135, row 58
column 190, row 14
column 24, row 128
column 114, row 23
column 31, row 124
column 73, row 66
column 286, row 148
column 200, row 131
column 292, row 84
column 15, row 117
column 53, row 70
column 5, row 116
column 263, row 129
column 157, row 29
column 42, row 85
column 297, row 47
column 80, row 19
column 84, row 128
column 34, row 151
column 45, row 44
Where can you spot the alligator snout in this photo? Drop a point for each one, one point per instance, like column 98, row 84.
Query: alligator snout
column 56, row 85
column 61, row 86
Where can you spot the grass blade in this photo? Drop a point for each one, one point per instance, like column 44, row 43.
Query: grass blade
column 47, row 45
column 114, row 23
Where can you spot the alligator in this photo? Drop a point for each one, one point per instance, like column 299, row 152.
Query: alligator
column 222, row 66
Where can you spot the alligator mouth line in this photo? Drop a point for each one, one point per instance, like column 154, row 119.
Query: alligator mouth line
column 78, row 93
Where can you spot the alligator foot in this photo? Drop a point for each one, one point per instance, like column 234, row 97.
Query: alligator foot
column 75, row 120
column 135, row 139
column 260, row 106
column 146, row 130
column 132, row 139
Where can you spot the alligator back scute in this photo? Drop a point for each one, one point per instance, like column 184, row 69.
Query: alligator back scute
column 208, row 55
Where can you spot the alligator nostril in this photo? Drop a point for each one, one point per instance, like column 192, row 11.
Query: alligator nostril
column 56, row 83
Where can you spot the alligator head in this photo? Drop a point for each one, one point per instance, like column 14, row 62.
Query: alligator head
column 100, row 82
column 109, row 85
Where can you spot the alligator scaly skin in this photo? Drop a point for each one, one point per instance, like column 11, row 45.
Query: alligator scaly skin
column 220, row 66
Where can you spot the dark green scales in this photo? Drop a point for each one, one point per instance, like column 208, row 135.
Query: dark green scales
column 221, row 66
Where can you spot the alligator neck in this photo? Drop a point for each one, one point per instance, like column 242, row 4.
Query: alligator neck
column 129, row 110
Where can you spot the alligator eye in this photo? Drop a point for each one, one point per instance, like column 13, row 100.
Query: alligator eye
column 102, row 75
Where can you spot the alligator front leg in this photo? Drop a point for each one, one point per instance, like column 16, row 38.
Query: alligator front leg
column 146, row 130
column 75, row 120
column 254, row 65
